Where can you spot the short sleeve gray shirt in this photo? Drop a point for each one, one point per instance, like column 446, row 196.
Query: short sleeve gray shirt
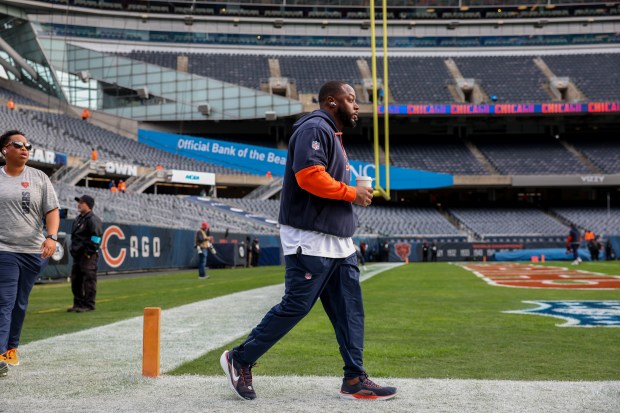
column 24, row 201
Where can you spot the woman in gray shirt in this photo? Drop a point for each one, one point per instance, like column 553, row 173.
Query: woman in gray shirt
column 26, row 198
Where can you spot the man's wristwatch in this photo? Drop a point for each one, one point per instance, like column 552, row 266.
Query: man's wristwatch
column 52, row 236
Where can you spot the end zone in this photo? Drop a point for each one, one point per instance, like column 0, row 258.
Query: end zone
column 537, row 276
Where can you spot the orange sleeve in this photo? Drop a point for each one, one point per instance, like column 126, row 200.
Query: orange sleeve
column 315, row 180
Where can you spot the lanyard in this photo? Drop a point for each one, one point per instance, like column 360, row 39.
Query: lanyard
column 346, row 158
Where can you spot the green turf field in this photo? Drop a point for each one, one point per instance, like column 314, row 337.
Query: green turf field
column 422, row 321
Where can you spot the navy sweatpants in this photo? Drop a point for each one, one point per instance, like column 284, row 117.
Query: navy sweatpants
column 307, row 278
column 18, row 273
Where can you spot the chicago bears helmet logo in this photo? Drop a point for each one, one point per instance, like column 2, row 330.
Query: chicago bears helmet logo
column 403, row 250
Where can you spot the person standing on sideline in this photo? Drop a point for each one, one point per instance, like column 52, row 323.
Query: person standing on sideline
column 255, row 252
column 425, row 251
column 360, row 257
column 86, row 236
column 248, row 255
column 203, row 242
column 598, row 246
column 122, row 186
column 434, row 251
column 385, row 251
column 27, row 197
column 316, row 224
column 573, row 242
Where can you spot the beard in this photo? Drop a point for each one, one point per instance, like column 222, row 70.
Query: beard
column 346, row 118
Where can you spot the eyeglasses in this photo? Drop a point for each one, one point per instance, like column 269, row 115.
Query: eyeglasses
column 20, row 145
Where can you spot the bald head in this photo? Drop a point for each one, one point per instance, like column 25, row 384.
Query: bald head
column 338, row 98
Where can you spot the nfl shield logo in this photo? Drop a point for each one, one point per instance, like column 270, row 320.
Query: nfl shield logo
column 25, row 184
column 587, row 313
column 315, row 145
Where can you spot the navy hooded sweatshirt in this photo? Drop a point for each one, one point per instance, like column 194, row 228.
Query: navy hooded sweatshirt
column 314, row 143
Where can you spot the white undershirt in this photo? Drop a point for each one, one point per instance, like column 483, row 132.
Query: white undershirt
column 314, row 243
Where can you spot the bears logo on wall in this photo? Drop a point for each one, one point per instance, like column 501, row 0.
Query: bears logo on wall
column 403, row 250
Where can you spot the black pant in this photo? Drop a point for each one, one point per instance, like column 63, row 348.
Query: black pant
column 84, row 281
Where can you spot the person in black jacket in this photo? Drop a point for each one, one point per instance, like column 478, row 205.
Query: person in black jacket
column 434, row 251
column 85, row 241
column 255, row 252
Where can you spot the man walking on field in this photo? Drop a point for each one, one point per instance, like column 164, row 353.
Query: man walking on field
column 317, row 222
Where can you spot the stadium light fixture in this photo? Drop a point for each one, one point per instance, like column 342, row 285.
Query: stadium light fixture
column 278, row 23
column 143, row 92
column 453, row 25
column 365, row 25
column 271, row 115
column 189, row 20
column 541, row 23
column 205, row 109
column 84, row 75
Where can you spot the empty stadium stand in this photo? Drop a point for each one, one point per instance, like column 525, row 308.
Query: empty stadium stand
column 356, row 9
column 240, row 69
column 404, row 221
column 413, row 79
column 602, row 221
column 511, row 224
column 518, row 156
column 168, row 211
column 63, row 133
column 510, row 78
column 445, row 155
column 597, row 75
column 603, row 152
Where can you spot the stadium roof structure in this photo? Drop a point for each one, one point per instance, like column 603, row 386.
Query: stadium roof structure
column 121, row 86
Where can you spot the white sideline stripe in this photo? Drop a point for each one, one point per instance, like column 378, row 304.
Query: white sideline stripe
column 99, row 370
column 109, row 357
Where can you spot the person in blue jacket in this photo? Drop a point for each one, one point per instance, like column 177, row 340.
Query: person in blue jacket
column 316, row 225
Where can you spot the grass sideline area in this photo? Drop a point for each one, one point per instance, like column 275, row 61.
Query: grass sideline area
column 422, row 321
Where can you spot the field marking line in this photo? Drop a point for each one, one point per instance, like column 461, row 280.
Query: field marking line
column 114, row 351
column 98, row 370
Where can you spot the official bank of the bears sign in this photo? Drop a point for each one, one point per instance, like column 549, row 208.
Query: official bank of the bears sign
column 577, row 313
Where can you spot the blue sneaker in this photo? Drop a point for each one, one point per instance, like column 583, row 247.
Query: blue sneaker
column 239, row 376
column 365, row 388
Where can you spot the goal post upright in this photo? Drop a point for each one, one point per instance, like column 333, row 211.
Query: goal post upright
column 379, row 191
